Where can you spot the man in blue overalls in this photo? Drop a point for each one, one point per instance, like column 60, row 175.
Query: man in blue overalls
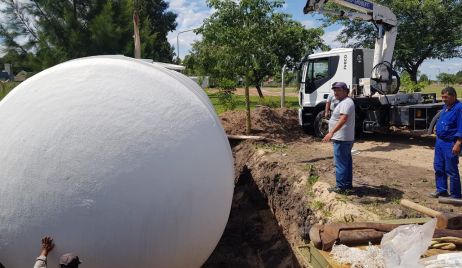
column 448, row 144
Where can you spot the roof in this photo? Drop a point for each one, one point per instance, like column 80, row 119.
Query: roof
column 171, row 66
column 334, row 51
column 166, row 65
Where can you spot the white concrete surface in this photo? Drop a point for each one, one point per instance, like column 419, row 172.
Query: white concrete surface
column 124, row 163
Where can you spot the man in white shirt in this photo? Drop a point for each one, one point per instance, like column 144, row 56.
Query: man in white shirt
column 342, row 134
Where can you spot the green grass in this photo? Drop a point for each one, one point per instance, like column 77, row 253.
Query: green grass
column 5, row 88
column 317, row 205
column 436, row 88
column 272, row 147
column 278, row 89
column 270, row 101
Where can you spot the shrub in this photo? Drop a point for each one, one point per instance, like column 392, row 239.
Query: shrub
column 225, row 94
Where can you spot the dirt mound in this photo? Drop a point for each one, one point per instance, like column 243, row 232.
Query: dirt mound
column 280, row 123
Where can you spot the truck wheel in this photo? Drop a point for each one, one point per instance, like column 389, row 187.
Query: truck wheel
column 321, row 125
column 307, row 129
column 432, row 126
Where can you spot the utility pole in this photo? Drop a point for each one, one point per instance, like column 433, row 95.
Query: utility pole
column 178, row 43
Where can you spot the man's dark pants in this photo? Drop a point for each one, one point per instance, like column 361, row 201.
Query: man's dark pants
column 343, row 164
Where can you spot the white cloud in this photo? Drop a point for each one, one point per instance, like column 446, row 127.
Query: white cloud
column 191, row 15
column 433, row 67
column 311, row 23
column 330, row 36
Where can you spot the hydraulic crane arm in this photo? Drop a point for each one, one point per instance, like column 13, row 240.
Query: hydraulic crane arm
column 366, row 10
column 381, row 16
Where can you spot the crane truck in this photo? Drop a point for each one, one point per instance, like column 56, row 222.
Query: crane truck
column 373, row 84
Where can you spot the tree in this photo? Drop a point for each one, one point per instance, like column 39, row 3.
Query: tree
column 458, row 78
column 249, row 39
column 157, row 22
column 41, row 33
column 447, row 79
column 428, row 29
column 270, row 38
column 424, row 79
column 409, row 86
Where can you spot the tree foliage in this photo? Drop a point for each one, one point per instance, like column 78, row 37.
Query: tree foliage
column 424, row 79
column 428, row 29
column 410, row 86
column 250, row 39
column 458, row 78
column 42, row 33
column 447, row 79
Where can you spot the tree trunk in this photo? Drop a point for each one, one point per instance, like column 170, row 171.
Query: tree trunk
column 413, row 73
column 247, row 108
column 75, row 9
column 137, row 50
column 260, row 94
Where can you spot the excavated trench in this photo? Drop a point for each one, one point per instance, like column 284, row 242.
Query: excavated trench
column 269, row 214
column 253, row 237
column 281, row 190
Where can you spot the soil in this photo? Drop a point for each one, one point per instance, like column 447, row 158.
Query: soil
column 277, row 125
column 282, row 182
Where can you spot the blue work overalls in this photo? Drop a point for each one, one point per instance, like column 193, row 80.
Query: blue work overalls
column 448, row 130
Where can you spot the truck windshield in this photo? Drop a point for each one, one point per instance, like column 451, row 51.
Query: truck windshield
column 317, row 69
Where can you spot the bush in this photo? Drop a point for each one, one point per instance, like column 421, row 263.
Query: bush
column 225, row 94
column 409, row 86
column 227, row 85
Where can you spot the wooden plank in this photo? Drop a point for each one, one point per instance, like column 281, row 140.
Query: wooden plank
column 451, row 201
column 303, row 255
column 331, row 261
column 244, row 137
column 311, row 257
column 407, row 221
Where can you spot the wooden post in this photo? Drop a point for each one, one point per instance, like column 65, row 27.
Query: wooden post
column 247, row 108
column 136, row 35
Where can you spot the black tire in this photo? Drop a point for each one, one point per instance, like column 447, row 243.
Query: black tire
column 321, row 125
column 308, row 130
column 432, row 127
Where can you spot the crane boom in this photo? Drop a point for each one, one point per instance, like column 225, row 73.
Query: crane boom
column 386, row 23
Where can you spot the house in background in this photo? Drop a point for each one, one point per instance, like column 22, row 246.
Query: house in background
column 4, row 76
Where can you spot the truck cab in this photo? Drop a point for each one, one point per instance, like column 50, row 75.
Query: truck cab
column 320, row 70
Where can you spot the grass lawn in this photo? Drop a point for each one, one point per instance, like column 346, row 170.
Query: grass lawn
column 436, row 88
column 5, row 88
column 278, row 89
column 270, row 101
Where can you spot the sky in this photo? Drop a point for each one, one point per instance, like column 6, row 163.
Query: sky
column 191, row 14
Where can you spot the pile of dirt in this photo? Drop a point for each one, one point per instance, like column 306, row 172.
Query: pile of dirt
column 278, row 124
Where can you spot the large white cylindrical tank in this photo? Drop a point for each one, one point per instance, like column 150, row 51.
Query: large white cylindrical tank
column 122, row 162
